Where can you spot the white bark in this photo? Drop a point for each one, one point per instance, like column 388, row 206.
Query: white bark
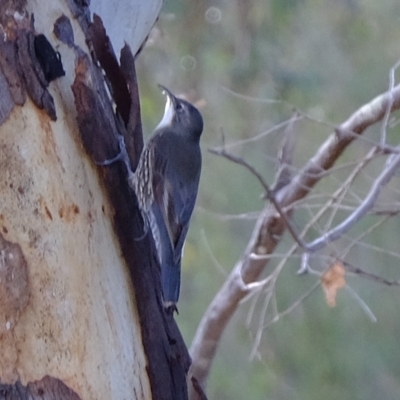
column 69, row 308
column 127, row 21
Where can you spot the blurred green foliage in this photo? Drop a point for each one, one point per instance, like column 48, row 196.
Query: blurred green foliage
column 249, row 64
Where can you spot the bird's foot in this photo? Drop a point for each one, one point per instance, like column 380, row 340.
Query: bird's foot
column 121, row 156
column 170, row 307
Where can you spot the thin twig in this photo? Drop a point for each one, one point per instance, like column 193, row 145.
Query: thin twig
column 288, row 310
column 350, row 179
column 257, row 99
column 378, row 249
column 338, row 196
column 217, row 264
column 267, row 132
column 250, row 216
column 390, row 103
column 336, row 232
column 269, row 192
column 263, row 313
column 361, row 303
column 369, row 275
column 285, row 156
column 358, row 239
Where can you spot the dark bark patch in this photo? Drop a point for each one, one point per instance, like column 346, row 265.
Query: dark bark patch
column 106, row 57
column 49, row 59
column 122, row 84
column 32, row 74
column 48, row 388
column 9, row 67
column 14, row 284
column 95, row 116
column 63, row 31
column 19, row 63
column 134, row 133
column 80, row 11
column 6, row 101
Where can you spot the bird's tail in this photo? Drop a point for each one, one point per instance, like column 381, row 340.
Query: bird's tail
column 170, row 268
column 171, row 282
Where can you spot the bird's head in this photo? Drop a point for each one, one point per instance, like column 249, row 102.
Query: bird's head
column 181, row 115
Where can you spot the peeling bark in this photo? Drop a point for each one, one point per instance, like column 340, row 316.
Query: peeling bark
column 166, row 352
column 46, row 388
column 19, row 64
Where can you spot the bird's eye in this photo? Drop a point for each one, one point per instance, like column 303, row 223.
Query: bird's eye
column 179, row 107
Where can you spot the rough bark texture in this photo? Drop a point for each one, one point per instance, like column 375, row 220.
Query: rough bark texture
column 80, row 308
column 45, row 389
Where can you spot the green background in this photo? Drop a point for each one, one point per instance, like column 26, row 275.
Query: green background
column 248, row 65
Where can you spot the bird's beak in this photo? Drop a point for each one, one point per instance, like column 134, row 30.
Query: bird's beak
column 169, row 108
column 170, row 96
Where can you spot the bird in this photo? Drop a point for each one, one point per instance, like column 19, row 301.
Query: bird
column 166, row 183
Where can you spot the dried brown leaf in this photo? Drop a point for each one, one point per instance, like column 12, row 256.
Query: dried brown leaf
column 332, row 280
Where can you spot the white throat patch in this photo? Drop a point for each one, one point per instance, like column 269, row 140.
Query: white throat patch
column 169, row 113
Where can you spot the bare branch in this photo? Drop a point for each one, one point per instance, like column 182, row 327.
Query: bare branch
column 270, row 227
column 335, row 233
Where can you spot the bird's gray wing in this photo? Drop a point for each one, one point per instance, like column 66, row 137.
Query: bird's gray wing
column 186, row 204
column 175, row 201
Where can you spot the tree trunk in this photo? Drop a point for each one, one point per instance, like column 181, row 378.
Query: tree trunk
column 80, row 309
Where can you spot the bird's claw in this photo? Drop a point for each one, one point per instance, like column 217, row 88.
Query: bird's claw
column 121, row 156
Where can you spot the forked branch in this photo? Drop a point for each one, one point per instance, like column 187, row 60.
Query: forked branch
column 271, row 225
